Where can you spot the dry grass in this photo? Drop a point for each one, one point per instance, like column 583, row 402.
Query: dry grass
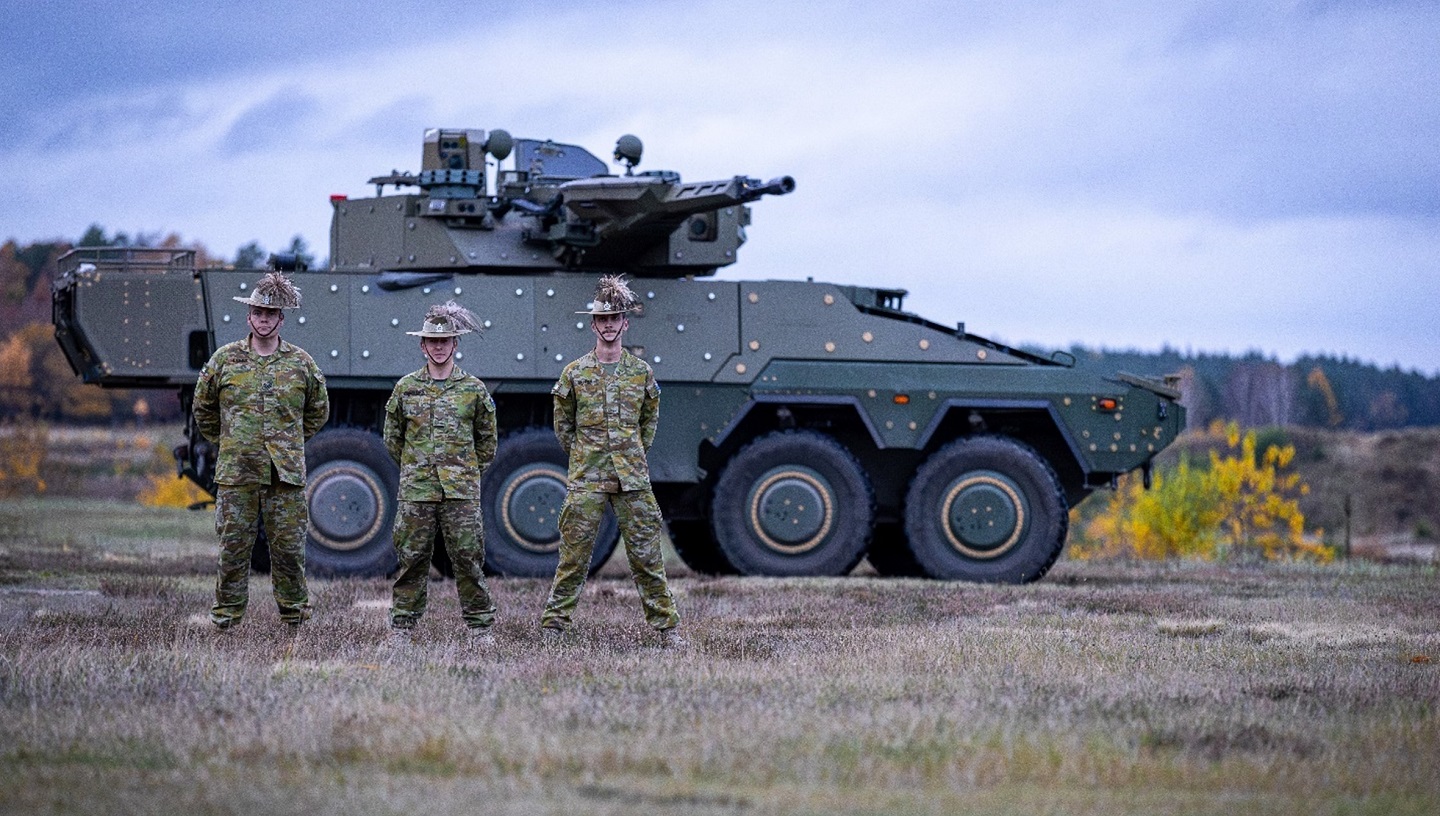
column 1175, row 688
column 112, row 462
column 1391, row 480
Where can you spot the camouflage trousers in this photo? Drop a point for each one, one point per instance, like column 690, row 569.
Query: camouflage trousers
column 415, row 526
column 640, row 522
column 238, row 511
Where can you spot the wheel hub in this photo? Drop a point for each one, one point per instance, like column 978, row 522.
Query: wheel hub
column 530, row 507
column 791, row 509
column 346, row 502
column 983, row 514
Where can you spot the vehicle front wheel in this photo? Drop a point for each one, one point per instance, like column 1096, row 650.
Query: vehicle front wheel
column 440, row 557
column 793, row 503
column 986, row 509
column 522, row 493
column 350, row 488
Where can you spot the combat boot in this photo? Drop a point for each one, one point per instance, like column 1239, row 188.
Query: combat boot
column 294, row 619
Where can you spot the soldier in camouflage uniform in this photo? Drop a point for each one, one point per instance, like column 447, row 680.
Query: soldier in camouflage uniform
column 440, row 428
column 259, row 399
column 607, row 407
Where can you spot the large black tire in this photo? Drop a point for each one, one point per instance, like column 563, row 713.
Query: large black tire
column 890, row 555
column 260, row 556
column 793, row 503
column 351, row 488
column 987, row 509
column 522, row 493
column 440, row 557
column 694, row 542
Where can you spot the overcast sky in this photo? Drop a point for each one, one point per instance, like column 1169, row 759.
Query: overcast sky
column 1218, row 176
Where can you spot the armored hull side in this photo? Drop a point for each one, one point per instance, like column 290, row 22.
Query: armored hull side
column 804, row 425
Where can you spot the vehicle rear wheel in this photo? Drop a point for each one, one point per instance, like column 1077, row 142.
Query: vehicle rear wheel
column 986, row 509
column 260, row 556
column 351, row 489
column 694, row 542
column 793, row 503
column 522, row 493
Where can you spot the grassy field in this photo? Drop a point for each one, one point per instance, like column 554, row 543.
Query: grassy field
column 1106, row 688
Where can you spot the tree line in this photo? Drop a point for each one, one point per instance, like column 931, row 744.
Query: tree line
column 36, row 382
column 1317, row 391
column 1252, row 390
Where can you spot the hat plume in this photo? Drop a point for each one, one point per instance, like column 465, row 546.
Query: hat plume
column 457, row 316
column 278, row 289
column 614, row 293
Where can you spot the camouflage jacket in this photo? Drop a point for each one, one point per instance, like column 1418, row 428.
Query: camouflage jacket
column 442, row 432
column 607, row 423
column 260, row 410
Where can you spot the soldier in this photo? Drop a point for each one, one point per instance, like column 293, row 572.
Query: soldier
column 259, row 399
column 440, row 428
column 607, row 407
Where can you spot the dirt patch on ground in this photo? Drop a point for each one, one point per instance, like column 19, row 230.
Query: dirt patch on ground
column 1390, row 480
column 1384, row 485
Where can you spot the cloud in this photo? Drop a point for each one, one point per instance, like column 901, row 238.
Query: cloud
column 1123, row 173
column 276, row 123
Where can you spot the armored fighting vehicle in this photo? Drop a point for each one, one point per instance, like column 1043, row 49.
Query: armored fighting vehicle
column 805, row 425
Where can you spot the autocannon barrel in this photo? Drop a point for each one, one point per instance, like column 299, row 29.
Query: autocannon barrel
column 708, row 195
column 617, row 206
column 780, row 185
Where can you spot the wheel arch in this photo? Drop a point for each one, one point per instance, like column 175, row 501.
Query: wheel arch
column 364, row 409
column 1034, row 423
column 841, row 417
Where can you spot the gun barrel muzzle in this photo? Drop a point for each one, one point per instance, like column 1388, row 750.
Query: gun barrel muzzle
column 780, row 185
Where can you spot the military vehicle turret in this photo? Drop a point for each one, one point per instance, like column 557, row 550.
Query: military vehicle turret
column 804, row 424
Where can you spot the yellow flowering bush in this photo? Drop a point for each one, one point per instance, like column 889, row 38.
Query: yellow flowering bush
column 168, row 490
column 23, row 445
column 1240, row 505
